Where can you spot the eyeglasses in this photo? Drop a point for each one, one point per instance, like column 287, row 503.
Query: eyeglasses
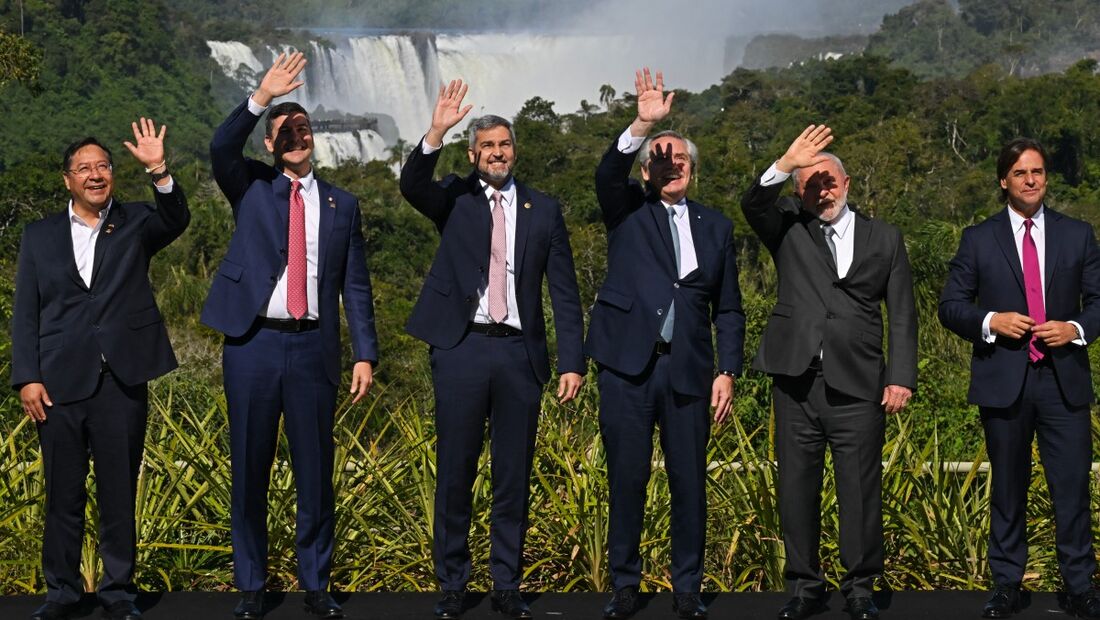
column 85, row 170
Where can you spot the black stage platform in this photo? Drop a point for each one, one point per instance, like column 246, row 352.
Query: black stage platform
column 551, row 606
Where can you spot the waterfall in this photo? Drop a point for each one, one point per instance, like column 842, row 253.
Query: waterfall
column 397, row 76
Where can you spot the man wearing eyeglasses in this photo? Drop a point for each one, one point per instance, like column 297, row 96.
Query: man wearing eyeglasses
column 87, row 337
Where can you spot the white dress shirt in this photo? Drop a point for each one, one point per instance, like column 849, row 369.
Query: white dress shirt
column 1038, row 235
column 311, row 196
column 508, row 201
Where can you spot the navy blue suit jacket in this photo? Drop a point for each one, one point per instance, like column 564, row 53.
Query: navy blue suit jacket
column 642, row 281
column 986, row 277
column 61, row 327
column 460, row 211
column 260, row 197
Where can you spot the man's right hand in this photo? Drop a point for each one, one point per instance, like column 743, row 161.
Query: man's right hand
column 804, row 151
column 35, row 400
column 280, row 79
column 448, row 112
column 653, row 105
column 1010, row 324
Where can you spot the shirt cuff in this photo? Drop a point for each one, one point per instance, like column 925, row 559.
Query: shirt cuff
column 773, row 176
column 987, row 335
column 629, row 144
column 1080, row 330
column 255, row 108
column 426, row 148
column 167, row 187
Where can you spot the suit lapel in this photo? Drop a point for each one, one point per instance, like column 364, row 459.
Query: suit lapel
column 280, row 190
column 861, row 228
column 116, row 217
column 523, row 226
column 813, row 227
column 664, row 231
column 1050, row 246
column 1002, row 232
column 63, row 238
column 326, row 220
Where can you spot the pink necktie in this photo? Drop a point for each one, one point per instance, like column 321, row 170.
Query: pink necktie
column 1033, row 286
column 498, row 264
column 296, row 303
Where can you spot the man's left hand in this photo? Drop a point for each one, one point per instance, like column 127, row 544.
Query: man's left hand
column 362, row 377
column 149, row 147
column 1055, row 333
column 895, row 398
column 568, row 386
column 721, row 397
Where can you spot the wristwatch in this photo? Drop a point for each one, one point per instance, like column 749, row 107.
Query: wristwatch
column 159, row 175
column 728, row 373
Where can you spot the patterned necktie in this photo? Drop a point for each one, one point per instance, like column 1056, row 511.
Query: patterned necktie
column 296, row 303
column 830, row 232
column 498, row 264
column 1033, row 287
column 670, row 318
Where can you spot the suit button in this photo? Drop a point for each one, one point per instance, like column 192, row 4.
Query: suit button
column 481, row 270
column 95, row 326
column 469, row 299
column 282, row 251
column 91, row 296
column 836, row 284
column 659, row 311
column 830, row 315
column 274, row 279
column 675, row 285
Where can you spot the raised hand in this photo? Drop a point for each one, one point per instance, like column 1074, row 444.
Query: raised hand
column 661, row 169
column 149, row 149
column 448, row 112
column 281, row 78
column 653, row 105
column 806, row 148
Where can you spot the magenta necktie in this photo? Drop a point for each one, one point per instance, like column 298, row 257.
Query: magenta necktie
column 1033, row 286
column 296, row 303
column 498, row 264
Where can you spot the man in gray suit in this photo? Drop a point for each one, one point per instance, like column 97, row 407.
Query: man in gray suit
column 823, row 348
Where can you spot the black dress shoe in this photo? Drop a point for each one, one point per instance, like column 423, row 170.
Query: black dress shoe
column 54, row 611
column 689, row 605
column 251, row 606
column 623, row 604
column 509, row 603
column 799, row 608
column 450, row 604
column 321, row 604
column 1084, row 605
column 1004, row 602
column 122, row 610
column 862, row 608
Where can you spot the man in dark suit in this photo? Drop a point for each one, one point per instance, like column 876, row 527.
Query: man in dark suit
column 670, row 274
column 297, row 251
column 86, row 339
column 1024, row 287
column 823, row 348
column 481, row 312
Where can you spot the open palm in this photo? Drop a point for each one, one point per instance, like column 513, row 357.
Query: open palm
column 653, row 105
column 148, row 145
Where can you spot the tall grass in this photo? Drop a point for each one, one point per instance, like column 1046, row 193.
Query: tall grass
column 936, row 521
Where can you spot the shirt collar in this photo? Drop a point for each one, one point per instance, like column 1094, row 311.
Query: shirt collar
column 1017, row 220
column 507, row 193
column 76, row 219
column 843, row 222
column 680, row 206
column 306, row 182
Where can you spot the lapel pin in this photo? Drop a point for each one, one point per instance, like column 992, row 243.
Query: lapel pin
column 526, row 205
column 331, row 202
column 110, row 229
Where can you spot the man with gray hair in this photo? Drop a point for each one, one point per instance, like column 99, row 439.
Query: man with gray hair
column 823, row 348
column 671, row 274
column 481, row 312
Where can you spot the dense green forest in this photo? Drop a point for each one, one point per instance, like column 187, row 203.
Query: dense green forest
column 919, row 117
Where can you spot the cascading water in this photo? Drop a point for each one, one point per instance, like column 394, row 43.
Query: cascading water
column 394, row 78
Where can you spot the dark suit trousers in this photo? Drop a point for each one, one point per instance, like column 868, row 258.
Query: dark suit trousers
column 109, row 425
column 266, row 373
column 630, row 406
column 483, row 378
column 1065, row 445
column 811, row 416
